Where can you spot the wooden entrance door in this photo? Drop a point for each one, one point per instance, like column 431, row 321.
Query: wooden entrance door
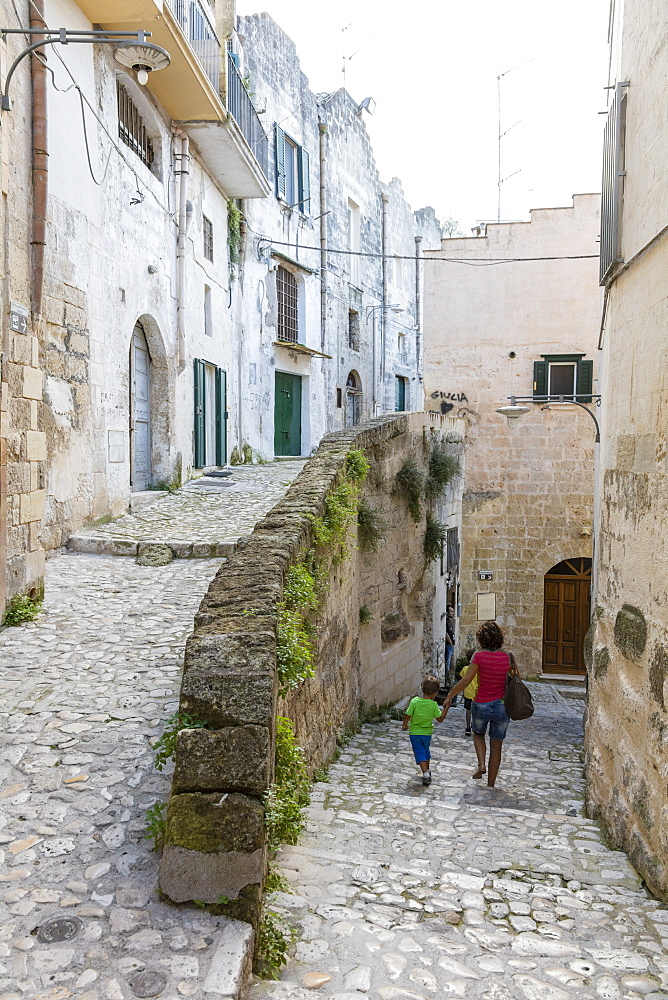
column 566, row 616
column 140, row 411
column 288, row 415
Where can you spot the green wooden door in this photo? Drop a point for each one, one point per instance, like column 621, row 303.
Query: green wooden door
column 221, row 416
column 199, row 458
column 288, row 415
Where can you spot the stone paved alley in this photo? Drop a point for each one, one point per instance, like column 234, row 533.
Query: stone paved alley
column 455, row 890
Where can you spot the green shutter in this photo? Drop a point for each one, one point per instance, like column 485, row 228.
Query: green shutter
column 280, row 161
column 540, row 378
column 585, row 381
column 221, row 417
column 199, row 437
column 304, row 182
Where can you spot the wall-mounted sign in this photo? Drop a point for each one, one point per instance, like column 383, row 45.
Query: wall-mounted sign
column 486, row 605
column 485, row 574
column 18, row 318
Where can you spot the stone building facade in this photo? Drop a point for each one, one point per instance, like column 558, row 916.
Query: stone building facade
column 528, row 325
column 627, row 721
column 328, row 338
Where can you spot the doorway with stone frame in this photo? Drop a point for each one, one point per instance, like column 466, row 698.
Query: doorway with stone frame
column 566, row 615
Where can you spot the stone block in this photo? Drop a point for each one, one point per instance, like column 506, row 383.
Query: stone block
column 35, row 446
column 21, row 350
column 237, row 759
column 214, row 846
column 153, row 554
column 231, row 965
column 32, row 383
column 230, row 680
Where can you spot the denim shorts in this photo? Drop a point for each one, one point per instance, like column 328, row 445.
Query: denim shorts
column 421, row 748
column 492, row 712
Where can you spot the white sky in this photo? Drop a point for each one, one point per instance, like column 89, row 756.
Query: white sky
column 432, row 65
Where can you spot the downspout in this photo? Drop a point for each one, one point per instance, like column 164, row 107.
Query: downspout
column 40, row 163
column 383, row 335
column 418, row 313
column 182, row 172
column 243, row 231
column 322, row 128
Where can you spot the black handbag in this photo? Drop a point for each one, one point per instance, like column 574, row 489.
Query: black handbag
column 518, row 701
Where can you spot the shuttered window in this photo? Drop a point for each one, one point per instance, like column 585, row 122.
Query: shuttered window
column 293, row 182
column 612, row 184
column 552, row 377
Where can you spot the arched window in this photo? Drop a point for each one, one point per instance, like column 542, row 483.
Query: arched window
column 287, row 298
column 353, row 399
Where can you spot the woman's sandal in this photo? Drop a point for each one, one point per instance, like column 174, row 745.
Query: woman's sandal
column 479, row 773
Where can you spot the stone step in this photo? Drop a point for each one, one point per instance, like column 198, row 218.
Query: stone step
column 103, row 545
column 231, row 966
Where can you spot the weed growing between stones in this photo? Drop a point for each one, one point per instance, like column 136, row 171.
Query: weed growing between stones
column 434, row 538
column 409, row 484
column 156, row 824
column 20, row 609
column 276, row 881
column 274, row 938
column 442, row 469
column 165, row 747
column 366, row 615
column 371, row 526
column 234, row 218
column 295, row 631
column 330, row 531
column 321, row 773
column 379, row 713
column 290, row 794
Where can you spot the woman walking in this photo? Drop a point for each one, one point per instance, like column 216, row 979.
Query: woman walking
column 491, row 665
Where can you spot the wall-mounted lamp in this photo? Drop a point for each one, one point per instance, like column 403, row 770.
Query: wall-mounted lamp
column 516, row 409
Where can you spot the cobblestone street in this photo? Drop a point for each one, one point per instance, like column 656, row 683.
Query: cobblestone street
column 455, row 890
column 85, row 690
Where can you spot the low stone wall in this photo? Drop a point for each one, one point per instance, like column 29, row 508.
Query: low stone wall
column 215, row 838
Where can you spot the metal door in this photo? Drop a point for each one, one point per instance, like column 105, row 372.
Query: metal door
column 287, row 414
column 140, row 411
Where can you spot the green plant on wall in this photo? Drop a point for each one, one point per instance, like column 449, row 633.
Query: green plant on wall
column 366, row 615
column 371, row 526
column 341, row 503
column 274, row 938
column 165, row 747
column 21, row 608
column 409, row 485
column 234, row 218
column 289, row 795
column 434, row 538
column 442, row 470
column 295, row 632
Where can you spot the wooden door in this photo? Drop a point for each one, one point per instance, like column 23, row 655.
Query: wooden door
column 287, row 414
column 566, row 616
column 140, row 411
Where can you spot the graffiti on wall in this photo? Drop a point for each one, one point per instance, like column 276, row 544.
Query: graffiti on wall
column 455, row 404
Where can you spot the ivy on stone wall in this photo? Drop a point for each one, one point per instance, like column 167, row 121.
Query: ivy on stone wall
column 234, row 217
column 409, row 485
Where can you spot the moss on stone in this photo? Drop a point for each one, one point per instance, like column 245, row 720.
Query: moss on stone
column 601, row 661
column 247, row 906
column 216, row 823
column 588, row 646
column 630, row 632
column 658, row 669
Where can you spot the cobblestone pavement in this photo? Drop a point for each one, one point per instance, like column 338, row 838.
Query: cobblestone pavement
column 84, row 692
column 203, row 513
column 406, row 893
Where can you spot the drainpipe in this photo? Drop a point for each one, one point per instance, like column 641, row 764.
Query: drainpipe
column 418, row 311
column 182, row 171
column 40, row 165
column 243, row 229
column 322, row 128
column 383, row 335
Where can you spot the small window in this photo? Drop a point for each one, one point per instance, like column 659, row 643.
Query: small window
column 208, row 238
column 562, row 379
column 131, row 128
column 339, row 398
column 286, row 294
column 353, row 330
column 208, row 316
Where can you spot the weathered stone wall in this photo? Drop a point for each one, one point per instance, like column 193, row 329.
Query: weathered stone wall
column 627, row 728
column 528, row 503
column 215, row 828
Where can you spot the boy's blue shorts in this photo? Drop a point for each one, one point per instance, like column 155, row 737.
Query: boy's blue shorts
column 421, row 745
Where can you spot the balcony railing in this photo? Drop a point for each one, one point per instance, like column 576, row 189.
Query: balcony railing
column 196, row 20
column 241, row 108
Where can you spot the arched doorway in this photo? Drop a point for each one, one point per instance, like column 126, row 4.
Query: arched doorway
column 353, row 399
column 140, row 410
column 566, row 616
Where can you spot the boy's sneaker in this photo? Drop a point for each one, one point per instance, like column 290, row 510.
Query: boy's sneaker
column 467, row 732
column 426, row 778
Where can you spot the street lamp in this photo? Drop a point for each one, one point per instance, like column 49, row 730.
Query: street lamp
column 371, row 311
column 132, row 50
column 515, row 409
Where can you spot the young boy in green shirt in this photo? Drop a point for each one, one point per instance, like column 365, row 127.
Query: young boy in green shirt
column 420, row 716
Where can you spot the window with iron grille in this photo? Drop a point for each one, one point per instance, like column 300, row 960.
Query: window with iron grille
column 208, row 238
column 131, row 128
column 353, row 330
column 452, row 549
column 286, row 293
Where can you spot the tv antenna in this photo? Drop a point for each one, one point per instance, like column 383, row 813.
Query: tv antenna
column 501, row 135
